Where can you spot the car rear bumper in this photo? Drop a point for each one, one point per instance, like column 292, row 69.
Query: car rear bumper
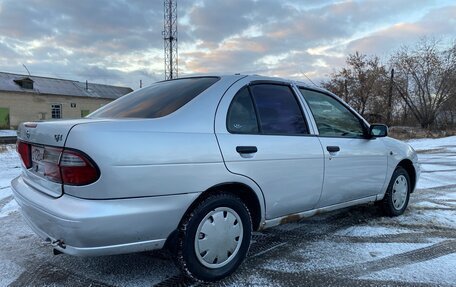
column 100, row 227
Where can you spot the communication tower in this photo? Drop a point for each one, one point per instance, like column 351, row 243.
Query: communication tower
column 170, row 39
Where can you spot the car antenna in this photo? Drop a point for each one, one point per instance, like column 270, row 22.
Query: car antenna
column 309, row 79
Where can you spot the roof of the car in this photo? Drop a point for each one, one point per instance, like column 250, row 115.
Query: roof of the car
column 258, row 77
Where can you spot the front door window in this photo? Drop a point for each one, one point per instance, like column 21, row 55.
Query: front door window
column 333, row 119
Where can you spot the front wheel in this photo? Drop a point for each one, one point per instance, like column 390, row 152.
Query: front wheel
column 214, row 238
column 398, row 193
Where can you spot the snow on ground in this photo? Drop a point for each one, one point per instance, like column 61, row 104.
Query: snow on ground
column 450, row 197
column 324, row 255
column 438, row 161
column 8, row 208
column 425, row 217
column 8, row 133
column 430, row 205
column 432, row 271
column 9, row 169
column 425, row 144
column 366, row 231
column 9, row 271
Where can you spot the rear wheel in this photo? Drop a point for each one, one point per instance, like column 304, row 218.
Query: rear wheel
column 214, row 238
column 398, row 193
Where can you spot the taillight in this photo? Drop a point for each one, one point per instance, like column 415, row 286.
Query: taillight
column 24, row 151
column 77, row 169
column 59, row 165
column 50, row 163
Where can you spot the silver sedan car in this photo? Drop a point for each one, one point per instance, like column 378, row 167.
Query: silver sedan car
column 196, row 164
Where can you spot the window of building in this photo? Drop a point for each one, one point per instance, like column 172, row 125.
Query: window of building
column 56, row 111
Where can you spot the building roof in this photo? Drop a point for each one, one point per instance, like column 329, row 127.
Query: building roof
column 53, row 86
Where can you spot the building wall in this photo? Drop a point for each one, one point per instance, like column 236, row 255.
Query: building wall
column 30, row 107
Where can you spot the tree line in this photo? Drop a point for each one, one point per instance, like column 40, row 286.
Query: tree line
column 416, row 86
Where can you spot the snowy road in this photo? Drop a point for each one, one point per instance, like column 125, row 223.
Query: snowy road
column 352, row 247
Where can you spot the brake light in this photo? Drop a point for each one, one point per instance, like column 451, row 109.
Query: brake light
column 77, row 169
column 59, row 165
column 24, row 151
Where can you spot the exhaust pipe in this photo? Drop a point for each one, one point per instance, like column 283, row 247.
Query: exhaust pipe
column 56, row 243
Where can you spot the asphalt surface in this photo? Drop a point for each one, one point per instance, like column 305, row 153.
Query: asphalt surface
column 351, row 247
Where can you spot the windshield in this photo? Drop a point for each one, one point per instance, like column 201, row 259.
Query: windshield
column 158, row 100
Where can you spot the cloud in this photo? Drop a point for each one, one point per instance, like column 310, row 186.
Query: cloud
column 118, row 41
column 440, row 23
column 285, row 28
column 214, row 20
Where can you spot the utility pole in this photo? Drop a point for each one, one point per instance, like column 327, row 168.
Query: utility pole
column 390, row 99
column 346, row 91
column 170, row 39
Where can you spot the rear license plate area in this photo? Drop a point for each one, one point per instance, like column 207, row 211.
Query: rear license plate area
column 37, row 157
column 37, row 154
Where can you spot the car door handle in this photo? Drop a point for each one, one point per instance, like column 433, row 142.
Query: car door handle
column 332, row 148
column 246, row 149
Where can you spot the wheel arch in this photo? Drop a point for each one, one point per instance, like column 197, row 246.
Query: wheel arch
column 241, row 190
column 247, row 194
column 408, row 166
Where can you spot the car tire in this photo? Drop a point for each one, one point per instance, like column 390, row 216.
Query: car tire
column 214, row 238
column 398, row 193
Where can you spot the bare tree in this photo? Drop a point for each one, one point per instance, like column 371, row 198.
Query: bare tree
column 362, row 84
column 425, row 79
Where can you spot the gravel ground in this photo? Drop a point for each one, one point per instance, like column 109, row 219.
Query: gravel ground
column 351, row 247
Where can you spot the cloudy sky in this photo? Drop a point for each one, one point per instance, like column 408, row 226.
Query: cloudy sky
column 120, row 42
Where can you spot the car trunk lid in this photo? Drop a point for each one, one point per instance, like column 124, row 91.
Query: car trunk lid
column 43, row 140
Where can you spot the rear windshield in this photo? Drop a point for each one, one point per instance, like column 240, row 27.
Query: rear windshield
column 157, row 100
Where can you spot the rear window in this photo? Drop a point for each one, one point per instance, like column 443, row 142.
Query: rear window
column 157, row 100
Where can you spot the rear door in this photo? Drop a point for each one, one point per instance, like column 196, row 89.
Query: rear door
column 263, row 135
column 355, row 167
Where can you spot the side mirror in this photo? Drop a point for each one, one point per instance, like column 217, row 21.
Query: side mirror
column 378, row 130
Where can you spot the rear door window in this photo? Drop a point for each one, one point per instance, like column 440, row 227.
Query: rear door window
column 157, row 100
column 242, row 118
column 278, row 110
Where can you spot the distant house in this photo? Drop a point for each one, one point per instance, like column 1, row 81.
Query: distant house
column 28, row 98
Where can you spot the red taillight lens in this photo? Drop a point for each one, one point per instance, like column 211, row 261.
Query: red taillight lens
column 77, row 169
column 60, row 165
column 24, row 150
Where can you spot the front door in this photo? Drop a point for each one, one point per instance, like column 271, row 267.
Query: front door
column 263, row 135
column 355, row 167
